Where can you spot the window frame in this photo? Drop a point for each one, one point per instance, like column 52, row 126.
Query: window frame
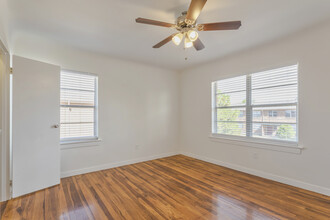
column 84, row 139
column 249, row 140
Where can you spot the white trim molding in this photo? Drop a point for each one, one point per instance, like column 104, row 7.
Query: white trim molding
column 281, row 179
column 5, row 125
column 114, row 164
column 282, row 146
column 80, row 143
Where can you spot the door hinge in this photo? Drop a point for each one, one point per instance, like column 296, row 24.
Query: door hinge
column 11, row 70
column 10, row 183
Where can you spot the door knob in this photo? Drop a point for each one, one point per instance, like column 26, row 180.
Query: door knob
column 56, row 126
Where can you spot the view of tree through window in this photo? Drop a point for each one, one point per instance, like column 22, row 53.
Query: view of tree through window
column 230, row 98
column 261, row 105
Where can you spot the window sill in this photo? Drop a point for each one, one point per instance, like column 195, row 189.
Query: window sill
column 282, row 146
column 80, row 143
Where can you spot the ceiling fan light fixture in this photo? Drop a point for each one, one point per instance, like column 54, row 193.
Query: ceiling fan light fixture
column 192, row 35
column 187, row 42
column 177, row 38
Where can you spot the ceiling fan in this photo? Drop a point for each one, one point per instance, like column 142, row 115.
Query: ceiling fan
column 187, row 27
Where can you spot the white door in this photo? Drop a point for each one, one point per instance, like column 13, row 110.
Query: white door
column 36, row 136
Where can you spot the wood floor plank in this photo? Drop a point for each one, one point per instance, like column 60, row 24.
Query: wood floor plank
column 176, row 187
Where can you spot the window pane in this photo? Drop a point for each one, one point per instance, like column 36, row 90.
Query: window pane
column 287, row 132
column 276, row 86
column 290, row 113
column 275, row 95
column 74, row 97
column 231, row 114
column 231, row 128
column 77, row 115
column 70, row 80
column 257, row 114
column 276, row 77
column 231, row 85
column 77, row 130
column 231, row 99
column 273, row 123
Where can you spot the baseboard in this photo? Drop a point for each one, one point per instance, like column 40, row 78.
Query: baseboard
column 285, row 180
column 113, row 165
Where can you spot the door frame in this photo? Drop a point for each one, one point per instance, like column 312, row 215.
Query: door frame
column 5, row 193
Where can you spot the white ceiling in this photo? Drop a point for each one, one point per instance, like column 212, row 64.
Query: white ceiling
column 108, row 26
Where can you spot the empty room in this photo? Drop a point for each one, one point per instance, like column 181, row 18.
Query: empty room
column 177, row 109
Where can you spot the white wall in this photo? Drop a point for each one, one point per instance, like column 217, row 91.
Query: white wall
column 138, row 105
column 311, row 49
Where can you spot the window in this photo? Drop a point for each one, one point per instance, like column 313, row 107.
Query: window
column 256, row 114
column 290, row 114
column 78, row 110
column 268, row 99
column 272, row 113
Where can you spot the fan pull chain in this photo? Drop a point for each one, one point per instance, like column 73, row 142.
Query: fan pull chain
column 186, row 54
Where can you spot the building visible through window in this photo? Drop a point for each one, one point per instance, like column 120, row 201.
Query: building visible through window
column 272, row 113
column 290, row 114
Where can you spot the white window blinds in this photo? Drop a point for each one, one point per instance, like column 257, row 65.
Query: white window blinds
column 261, row 105
column 78, row 106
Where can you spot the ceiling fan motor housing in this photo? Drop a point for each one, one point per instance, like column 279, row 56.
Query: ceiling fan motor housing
column 181, row 24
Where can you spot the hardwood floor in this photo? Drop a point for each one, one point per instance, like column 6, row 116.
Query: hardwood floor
column 176, row 187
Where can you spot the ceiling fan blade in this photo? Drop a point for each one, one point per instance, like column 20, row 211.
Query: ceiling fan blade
column 198, row 44
column 231, row 25
column 194, row 10
column 163, row 42
column 153, row 22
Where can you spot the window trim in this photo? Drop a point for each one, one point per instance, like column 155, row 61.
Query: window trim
column 86, row 139
column 269, row 144
column 280, row 145
column 80, row 143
